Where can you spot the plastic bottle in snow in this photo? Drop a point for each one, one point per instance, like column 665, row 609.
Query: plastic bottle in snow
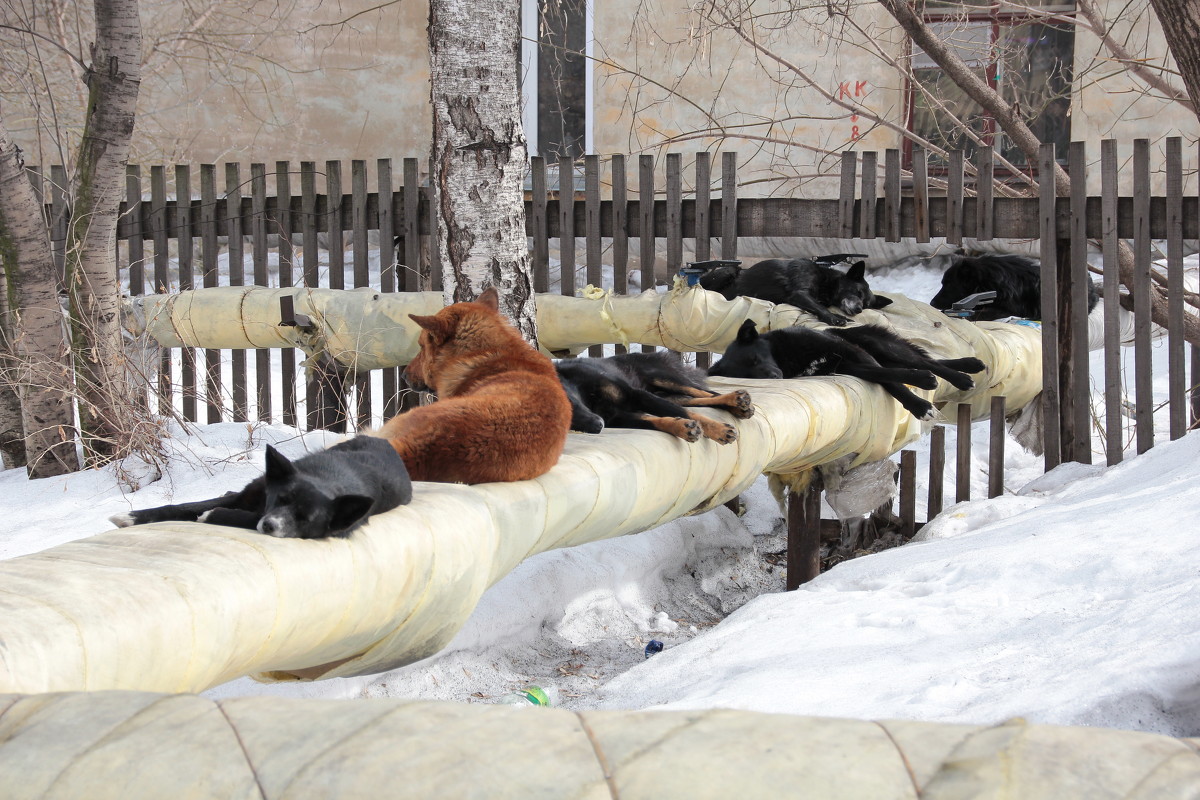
column 529, row 696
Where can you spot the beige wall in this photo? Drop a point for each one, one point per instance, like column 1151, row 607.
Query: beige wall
column 740, row 92
column 358, row 92
column 361, row 91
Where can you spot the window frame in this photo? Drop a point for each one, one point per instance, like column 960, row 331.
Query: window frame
column 996, row 16
column 530, row 41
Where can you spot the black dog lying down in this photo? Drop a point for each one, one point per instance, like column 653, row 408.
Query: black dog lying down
column 869, row 352
column 648, row 391
column 800, row 282
column 324, row 494
column 1016, row 280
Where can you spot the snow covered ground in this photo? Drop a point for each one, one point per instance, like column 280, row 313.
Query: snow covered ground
column 1067, row 600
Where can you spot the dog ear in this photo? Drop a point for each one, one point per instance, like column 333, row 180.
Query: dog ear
column 857, row 271
column 348, row 510
column 437, row 326
column 278, row 467
column 490, row 298
column 880, row 302
column 747, row 333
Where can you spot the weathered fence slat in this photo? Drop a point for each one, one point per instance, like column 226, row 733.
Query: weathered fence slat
column 237, row 277
column 703, row 206
column 937, row 471
column 566, row 226
column 892, row 205
column 283, row 225
column 703, row 224
column 318, row 415
column 908, row 493
column 592, row 253
column 1176, row 367
column 962, row 474
column 729, row 206
column 984, row 192
column 539, row 196
column 867, row 207
column 214, row 405
column 186, row 273
column 920, row 176
column 136, row 246
column 334, row 230
column 674, row 232
column 954, row 198
column 1143, row 368
column 1076, row 386
column 258, row 234
column 620, row 224
column 1051, row 407
column 1112, row 332
column 362, row 274
column 804, row 535
column 996, row 433
column 308, row 225
column 646, row 254
column 415, row 279
column 846, row 196
column 389, row 280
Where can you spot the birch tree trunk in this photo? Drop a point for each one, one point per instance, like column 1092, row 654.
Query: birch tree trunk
column 107, row 411
column 35, row 355
column 1180, row 21
column 479, row 153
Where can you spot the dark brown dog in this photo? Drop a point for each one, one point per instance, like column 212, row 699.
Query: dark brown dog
column 501, row 413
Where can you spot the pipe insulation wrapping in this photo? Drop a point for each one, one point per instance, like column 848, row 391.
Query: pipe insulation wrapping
column 180, row 607
column 121, row 745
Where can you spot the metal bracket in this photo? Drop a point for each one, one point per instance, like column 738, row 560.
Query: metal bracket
column 288, row 318
column 966, row 308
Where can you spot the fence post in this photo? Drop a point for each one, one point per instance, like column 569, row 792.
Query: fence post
column 804, row 534
column 1142, row 356
column 1113, row 445
column 1051, row 408
column 962, row 469
column 1176, row 368
column 996, row 448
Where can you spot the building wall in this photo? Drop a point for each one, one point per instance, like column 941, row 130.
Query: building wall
column 316, row 90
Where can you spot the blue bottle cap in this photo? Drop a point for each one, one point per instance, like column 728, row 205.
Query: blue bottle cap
column 653, row 646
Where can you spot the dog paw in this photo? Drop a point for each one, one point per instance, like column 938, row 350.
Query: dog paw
column 743, row 408
column 837, row 320
column 964, row 383
column 923, row 379
column 922, row 411
column 123, row 520
column 973, row 365
column 690, row 430
column 722, row 433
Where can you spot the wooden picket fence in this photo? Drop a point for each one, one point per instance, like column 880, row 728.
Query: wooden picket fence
column 637, row 228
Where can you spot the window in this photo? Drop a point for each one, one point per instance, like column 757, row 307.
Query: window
column 556, row 74
column 1029, row 62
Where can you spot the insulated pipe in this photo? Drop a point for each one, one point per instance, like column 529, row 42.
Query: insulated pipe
column 184, row 606
column 123, row 745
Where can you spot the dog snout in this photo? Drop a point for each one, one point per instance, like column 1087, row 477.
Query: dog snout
column 270, row 526
column 852, row 305
column 414, row 381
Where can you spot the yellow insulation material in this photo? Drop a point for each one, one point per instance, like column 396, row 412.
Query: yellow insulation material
column 182, row 606
column 123, row 745
column 372, row 330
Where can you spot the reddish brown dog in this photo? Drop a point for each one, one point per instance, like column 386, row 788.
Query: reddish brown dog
column 501, row 413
